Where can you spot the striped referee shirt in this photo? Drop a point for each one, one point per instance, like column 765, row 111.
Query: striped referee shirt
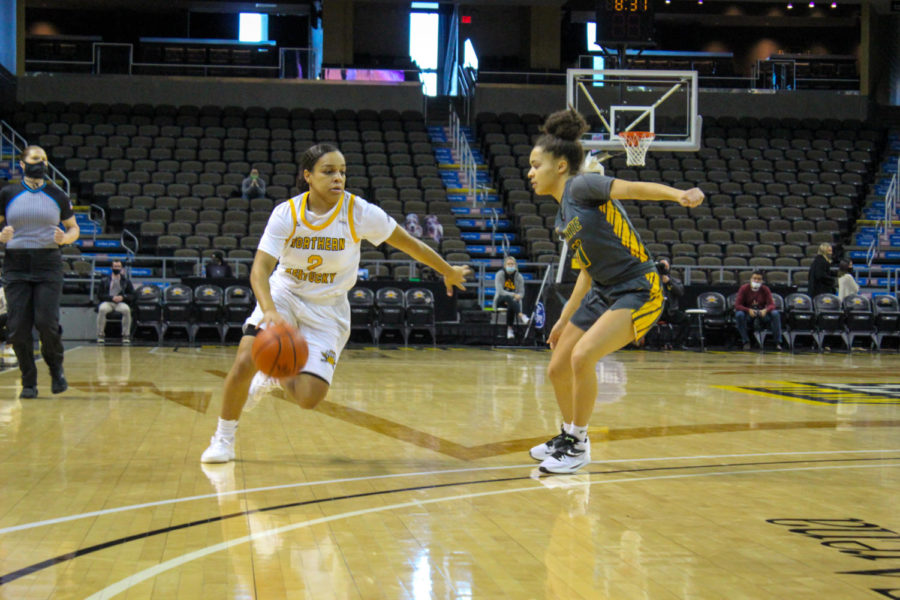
column 34, row 214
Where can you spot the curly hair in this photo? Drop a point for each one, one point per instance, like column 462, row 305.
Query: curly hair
column 561, row 134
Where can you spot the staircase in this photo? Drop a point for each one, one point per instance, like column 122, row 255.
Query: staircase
column 489, row 234
column 876, row 240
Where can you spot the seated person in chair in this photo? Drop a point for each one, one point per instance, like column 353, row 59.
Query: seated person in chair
column 754, row 302
column 509, row 289
column 116, row 294
column 673, row 290
column 216, row 268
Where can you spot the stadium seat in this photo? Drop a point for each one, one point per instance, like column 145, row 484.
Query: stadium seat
column 389, row 304
column 148, row 309
column 208, row 310
column 362, row 311
column 420, row 312
column 177, row 310
column 829, row 319
column 799, row 319
column 887, row 319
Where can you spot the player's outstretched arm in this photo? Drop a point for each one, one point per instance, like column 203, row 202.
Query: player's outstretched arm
column 454, row 276
column 645, row 190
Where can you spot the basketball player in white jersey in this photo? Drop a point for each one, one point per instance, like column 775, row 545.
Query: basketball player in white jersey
column 312, row 243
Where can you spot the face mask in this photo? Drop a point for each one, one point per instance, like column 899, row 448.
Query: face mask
column 510, row 270
column 755, row 285
column 35, row 170
column 116, row 271
column 254, row 176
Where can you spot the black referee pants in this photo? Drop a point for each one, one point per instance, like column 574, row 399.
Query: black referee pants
column 32, row 299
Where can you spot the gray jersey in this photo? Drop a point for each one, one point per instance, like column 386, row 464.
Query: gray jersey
column 34, row 214
column 598, row 231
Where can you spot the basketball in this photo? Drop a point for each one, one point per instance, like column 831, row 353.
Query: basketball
column 279, row 350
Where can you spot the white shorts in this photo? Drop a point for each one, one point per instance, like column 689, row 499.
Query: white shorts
column 326, row 327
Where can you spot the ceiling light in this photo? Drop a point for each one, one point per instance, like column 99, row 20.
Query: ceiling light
column 790, row 6
column 812, row 4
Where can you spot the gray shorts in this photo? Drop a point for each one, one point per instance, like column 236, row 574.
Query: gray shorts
column 642, row 295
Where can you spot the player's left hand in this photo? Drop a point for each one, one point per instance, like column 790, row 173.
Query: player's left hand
column 456, row 278
column 691, row 198
column 59, row 236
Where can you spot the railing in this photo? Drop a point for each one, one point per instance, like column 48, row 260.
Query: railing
column 126, row 237
column 886, row 225
column 466, row 78
column 463, row 153
column 96, row 64
column 521, row 77
column 18, row 143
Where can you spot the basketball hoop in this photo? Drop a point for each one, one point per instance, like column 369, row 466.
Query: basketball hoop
column 636, row 144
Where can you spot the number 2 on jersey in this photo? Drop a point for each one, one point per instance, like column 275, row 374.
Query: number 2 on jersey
column 315, row 261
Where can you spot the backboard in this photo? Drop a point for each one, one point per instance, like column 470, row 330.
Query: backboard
column 616, row 100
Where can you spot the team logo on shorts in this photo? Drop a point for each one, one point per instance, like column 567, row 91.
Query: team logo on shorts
column 330, row 357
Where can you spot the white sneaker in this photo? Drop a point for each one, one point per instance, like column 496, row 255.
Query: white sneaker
column 510, row 334
column 261, row 385
column 220, row 450
column 523, row 319
column 569, row 457
column 546, row 450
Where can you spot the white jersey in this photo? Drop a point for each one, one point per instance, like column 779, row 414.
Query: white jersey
column 318, row 255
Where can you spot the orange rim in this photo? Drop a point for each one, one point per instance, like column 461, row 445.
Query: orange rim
column 633, row 138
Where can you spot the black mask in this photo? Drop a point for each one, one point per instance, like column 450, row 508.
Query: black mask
column 35, row 170
column 116, row 271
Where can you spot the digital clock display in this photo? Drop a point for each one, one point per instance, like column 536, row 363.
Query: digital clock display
column 627, row 5
column 625, row 22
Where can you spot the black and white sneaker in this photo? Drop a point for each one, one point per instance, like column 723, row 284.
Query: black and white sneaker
column 570, row 456
column 546, row 450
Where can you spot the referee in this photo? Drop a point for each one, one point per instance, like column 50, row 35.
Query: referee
column 30, row 213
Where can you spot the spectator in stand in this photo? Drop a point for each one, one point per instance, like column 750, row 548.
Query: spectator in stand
column 673, row 290
column 216, row 268
column 821, row 281
column 847, row 285
column 509, row 289
column 116, row 295
column 754, row 302
column 253, row 186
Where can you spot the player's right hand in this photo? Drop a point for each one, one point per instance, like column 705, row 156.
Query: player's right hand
column 456, row 278
column 557, row 330
column 7, row 234
column 270, row 317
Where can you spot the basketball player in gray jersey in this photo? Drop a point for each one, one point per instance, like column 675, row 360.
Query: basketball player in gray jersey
column 30, row 214
column 617, row 297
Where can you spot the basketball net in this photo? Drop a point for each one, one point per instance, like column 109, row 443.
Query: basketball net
column 636, row 144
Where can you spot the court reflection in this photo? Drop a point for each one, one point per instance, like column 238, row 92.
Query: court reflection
column 302, row 564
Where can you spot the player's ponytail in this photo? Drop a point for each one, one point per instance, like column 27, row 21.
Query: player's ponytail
column 308, row 162
column 561, row 134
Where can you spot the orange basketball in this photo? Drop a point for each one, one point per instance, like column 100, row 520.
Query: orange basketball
column 279, row 350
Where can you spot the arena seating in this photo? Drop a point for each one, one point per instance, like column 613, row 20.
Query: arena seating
column 775, row 188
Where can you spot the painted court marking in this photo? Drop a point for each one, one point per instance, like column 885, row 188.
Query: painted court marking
column 109, row 511
column 133, row 580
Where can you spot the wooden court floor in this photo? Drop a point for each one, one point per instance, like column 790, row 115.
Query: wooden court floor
column 717, row 475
